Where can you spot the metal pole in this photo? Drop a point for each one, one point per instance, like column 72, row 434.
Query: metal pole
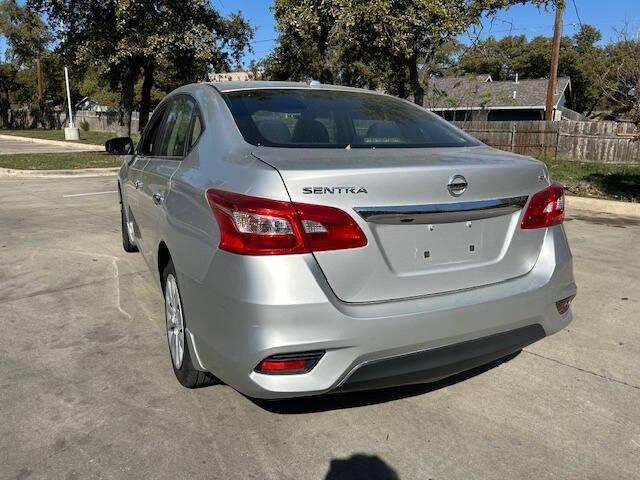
column 39, row 81
column 555, row 55
column 66, row 79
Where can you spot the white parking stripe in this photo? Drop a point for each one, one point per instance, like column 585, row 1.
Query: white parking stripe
column 87, row 194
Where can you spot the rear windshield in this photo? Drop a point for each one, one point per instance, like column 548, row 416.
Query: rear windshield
column 337, row 119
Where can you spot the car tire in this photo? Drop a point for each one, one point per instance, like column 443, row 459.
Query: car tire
column 127, row 242
column 179, row 353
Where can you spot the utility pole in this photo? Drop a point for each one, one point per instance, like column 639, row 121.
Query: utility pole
column 555, row 57
column 39, row 81
column 39, row 89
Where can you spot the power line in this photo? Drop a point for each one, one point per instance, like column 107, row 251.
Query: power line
column 575, row 7
column 262, row 41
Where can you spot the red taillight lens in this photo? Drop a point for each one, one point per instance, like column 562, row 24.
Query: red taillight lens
column 260, row 226
column 256, row 226
column 328, row 228
column 545, row 209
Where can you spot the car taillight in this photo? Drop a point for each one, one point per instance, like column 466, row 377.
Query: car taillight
column 545, row 209
column 260, row 226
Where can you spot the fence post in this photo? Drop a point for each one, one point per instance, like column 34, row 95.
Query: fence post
column 513, row 136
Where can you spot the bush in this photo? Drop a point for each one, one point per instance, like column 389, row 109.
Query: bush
column 84, row 125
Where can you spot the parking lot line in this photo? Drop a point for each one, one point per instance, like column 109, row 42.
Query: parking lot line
column 87, row 194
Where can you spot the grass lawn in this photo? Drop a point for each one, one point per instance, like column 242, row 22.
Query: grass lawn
column 613, row 182
column 94, row 138
column 59, row 161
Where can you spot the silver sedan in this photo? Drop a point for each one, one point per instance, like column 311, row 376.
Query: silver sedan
column 314, row 238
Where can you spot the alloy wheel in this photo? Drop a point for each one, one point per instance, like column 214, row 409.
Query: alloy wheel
column 175, row 321
column 129, row 225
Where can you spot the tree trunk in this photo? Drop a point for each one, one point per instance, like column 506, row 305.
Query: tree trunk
column 326, row 75
column 145, row 100
column 414, row 82
column 127, row 96
column 5, row 107
column 401, row 89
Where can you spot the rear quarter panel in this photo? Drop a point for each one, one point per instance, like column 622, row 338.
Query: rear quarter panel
column 221, row 159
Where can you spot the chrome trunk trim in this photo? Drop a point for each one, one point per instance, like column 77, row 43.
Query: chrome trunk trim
column 442, row 212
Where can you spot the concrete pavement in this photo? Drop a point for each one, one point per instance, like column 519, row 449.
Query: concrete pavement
column 13, row 145
column 87, row 391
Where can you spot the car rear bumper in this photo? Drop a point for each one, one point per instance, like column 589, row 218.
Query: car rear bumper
column 264, row 306
column 437, row 363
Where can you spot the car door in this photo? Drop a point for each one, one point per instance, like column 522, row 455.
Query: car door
column 131, row 195
column 147, row 147
column 159, row 169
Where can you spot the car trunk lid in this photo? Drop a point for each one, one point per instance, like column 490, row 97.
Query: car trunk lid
column 424, row 238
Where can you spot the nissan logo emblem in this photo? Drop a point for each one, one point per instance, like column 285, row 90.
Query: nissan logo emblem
column 457, row 185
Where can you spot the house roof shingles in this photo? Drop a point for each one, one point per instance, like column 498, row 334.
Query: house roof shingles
column 474, row 92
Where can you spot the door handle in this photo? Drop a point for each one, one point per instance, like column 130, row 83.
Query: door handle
column 157, row 198
column 137, row 184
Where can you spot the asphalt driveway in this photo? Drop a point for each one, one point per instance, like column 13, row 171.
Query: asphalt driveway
column 86, row 388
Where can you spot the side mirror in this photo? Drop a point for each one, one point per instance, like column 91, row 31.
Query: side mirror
column 119, row 146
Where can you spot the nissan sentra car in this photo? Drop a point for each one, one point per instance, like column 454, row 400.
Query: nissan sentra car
column 313, row 238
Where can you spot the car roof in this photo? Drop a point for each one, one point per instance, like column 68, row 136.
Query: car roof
column 262, row 85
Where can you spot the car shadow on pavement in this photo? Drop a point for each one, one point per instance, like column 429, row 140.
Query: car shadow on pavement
column 339, row 401
column 361, row 467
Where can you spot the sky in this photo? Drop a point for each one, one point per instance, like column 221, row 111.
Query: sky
column 606, row 15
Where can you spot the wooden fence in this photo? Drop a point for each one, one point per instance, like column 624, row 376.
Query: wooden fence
column 104, row 121
column 98, row 121
column 598, row 142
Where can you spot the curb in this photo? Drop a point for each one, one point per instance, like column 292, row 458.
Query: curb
column 627, row 209
column 80, row 146
column 77, row 173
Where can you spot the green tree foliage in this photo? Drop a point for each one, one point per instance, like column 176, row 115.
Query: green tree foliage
column 385, row 36
column 132, row 40
column 27, row 39
column 27, row 35
column 621, row 83
column 93, row 85
column 580, row 58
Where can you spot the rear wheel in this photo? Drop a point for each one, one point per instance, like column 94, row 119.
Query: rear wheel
column 183, row 368
column 128, row 238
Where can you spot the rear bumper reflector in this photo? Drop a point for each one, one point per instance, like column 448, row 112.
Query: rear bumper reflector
column 564, row 304
column 289, row 363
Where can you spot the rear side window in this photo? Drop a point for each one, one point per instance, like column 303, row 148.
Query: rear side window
column 152, row 136
column 196, row 130
column 176, row 127
column 337, row 119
